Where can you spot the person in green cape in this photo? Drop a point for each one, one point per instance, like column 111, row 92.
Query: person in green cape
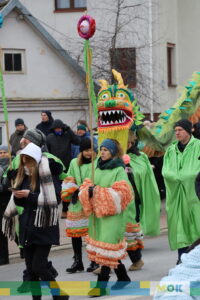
column 147, row 201
column 180, row 168
column 105, row 201
column 76, row 221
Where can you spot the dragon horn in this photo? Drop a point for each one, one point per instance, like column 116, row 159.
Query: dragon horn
column 118, row 77
column 104, row 84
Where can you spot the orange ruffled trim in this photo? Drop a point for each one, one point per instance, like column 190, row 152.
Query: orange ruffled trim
column 75, row 216
column 84, row 197
column 101, row 260
column 137, row 244
column 102, row 203
column 125, row 191
column 76, row 232
column 70, row 179
column 133, row 227
column 106, row 246
column 65, row 194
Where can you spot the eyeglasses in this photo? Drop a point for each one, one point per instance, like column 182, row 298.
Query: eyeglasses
column 3, row 152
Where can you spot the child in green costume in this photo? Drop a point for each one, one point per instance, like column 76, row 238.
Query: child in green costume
column 105, row 201
column 77, row 222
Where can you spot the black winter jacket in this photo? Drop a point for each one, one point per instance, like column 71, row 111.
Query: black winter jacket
column 28, row 233
column 60, row 145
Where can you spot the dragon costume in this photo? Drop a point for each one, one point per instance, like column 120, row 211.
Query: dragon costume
column 117, row 111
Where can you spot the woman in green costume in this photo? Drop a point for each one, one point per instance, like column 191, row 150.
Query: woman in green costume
column 105, row 202
column 77, row 222
column 147, row 200
column 180, row 168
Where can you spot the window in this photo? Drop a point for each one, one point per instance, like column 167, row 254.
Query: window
column 70, row 5
column 171, row 70
column 3, row 133
column 124, row 61
column 13, row 61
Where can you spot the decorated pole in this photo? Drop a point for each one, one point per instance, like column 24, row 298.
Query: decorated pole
column 5, row 110
column 86, row 29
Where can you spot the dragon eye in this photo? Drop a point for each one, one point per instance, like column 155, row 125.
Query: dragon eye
column 104, row 96
column 121, row 95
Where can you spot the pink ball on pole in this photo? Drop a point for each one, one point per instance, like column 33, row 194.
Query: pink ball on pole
column 86, row 27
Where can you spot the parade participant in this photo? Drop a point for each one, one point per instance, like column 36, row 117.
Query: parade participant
column 17, row 135
column 47, row 121
column 34, row 192
column 76, row 222
column 4, row 196
column 147, row 200
column 180, row 168
column 59, row 143
column 36, row 137
column 105, row 202
column 82, row 133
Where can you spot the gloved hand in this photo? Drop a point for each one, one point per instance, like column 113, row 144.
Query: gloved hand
column 75, row 196
column 91, row 191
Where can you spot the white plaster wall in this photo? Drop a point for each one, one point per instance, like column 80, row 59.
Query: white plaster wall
column 47, row 75
column 188, row 39
column 134, row 33
column 174, row 21
column 166, row 31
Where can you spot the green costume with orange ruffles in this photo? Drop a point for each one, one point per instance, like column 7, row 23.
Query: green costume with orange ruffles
column 77, row 221
column 112, row 193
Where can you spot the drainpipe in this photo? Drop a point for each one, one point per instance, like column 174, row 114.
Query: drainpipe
column 151, row 61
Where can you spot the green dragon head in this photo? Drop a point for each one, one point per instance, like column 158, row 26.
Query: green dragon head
column 117, row 110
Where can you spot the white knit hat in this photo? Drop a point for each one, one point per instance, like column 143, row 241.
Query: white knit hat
column 33, row 151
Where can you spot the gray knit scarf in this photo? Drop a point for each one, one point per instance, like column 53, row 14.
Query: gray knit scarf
column 47, row 208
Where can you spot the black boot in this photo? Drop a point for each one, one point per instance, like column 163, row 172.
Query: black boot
column 61, row 297
column 77, row 265
column 52, row 269
column 101, row 284
column 93, row 266
column 122, row 278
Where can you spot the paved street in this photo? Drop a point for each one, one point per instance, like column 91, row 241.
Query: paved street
column 156, row 255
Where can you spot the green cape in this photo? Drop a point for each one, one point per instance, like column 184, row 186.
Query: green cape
column 149, row 194
column 182, row 204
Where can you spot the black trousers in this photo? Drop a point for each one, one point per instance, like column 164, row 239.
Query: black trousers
column 77, row 245
column 36, row 258
column 3, row 245
column 134, row 255
column 65, row 206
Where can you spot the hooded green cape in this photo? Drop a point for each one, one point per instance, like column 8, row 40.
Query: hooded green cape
column 182, row 204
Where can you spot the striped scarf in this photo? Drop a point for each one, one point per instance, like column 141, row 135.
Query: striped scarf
column 47, row 208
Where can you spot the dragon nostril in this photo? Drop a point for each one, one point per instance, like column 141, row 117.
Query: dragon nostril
column 110, row 103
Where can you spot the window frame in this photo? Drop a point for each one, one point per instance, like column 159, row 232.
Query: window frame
column 13, row 51
column 171, row 67
column 133, row 83
column 72, row 8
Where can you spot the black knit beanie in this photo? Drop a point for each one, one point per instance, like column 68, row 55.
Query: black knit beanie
column 85, row 144
column 19, row 122
column 185, row 124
